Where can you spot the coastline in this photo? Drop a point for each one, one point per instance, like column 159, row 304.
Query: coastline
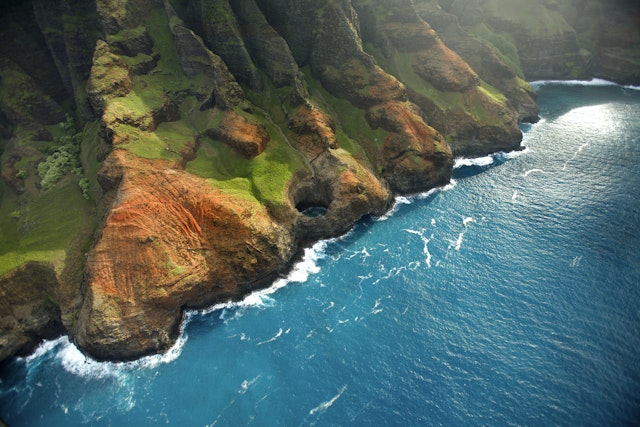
column 304, row 264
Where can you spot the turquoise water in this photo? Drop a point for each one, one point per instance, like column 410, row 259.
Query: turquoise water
column 509, row 297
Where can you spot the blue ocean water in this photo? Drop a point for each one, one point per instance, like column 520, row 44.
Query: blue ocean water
column 509, row 297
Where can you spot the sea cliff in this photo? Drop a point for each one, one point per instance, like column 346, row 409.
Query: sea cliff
column 159, row 155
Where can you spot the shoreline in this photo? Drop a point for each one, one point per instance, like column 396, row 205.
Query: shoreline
column 299, row 267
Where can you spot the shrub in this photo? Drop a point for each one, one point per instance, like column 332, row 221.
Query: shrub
column 63, row 158
column 84, row 187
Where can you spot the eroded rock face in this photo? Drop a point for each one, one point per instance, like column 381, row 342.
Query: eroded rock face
column 170, row 241
column 227, row 118
column 29, row 309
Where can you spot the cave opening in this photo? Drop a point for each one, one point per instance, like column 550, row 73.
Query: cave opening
column 312, row 211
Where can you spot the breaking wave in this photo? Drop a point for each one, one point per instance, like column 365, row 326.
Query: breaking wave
column 593, row 82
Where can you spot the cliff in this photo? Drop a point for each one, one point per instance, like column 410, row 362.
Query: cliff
column 159, row 155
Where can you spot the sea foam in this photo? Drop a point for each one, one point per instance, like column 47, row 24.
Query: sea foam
column 77, row 363
column 593, row 82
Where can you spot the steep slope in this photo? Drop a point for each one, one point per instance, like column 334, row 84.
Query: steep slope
column 159, row 155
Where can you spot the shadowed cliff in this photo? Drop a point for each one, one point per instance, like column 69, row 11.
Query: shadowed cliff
column 159, row 155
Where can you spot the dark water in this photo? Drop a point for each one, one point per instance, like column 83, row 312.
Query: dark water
column 511, row 297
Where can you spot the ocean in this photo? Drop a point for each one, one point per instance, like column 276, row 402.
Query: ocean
column 509, row 297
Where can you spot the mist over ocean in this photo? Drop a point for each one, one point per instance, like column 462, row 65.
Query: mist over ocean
column 509, row 297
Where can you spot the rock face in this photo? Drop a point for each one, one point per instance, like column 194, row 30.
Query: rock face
column 28, row 314
column 210, row 126
column 177, row 230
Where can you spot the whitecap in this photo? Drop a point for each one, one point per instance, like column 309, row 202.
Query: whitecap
column 575, row 154
column 244, row 386
column 44, row 348
column 375, row 309
column 500, row 156
column 530, row 171
column 503, row 156
column 321, row 408
column 364, row 252
column 476, row 161
column 467, row 220
column 593, row 82
column 299, row 273
column 77, row 363
column 458, row 243
column 425, row 241
column 399, row 201
column 452, row 183
column 273, row 338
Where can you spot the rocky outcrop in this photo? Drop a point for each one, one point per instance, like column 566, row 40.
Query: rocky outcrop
column 216, row 124
column 558, row 39
column 483, row 58
column 471, row 115
column 29, row 309
column 166, row 246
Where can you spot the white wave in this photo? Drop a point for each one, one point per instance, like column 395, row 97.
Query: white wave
column 458, row 243
column 578, row 151
column 306, row 267
column 530, row 171
column 508, row 155
column 399, row 201
column 321, row 408
column 76, row 363
column 299, row 273
column 407, row 200
column 273, row 338
column 375, row 309
column 425, row 241
column 244, row 386
column 488, row 160
column 593, row 82
column 476, row 161
column 44, row 348
column 576, row 261
column 79, row 364
column 452, row 183
column 467, row 220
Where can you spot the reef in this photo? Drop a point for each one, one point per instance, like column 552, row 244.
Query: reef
column 160, row 155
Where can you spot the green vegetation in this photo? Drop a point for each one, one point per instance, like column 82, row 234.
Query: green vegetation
column 504, row 45
column 41, row 227
column 63, row 158
column 534, row 16
column 89, row 160
column 42, row 222
column 175, row 269
column 352, row 130
column 263, row 177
